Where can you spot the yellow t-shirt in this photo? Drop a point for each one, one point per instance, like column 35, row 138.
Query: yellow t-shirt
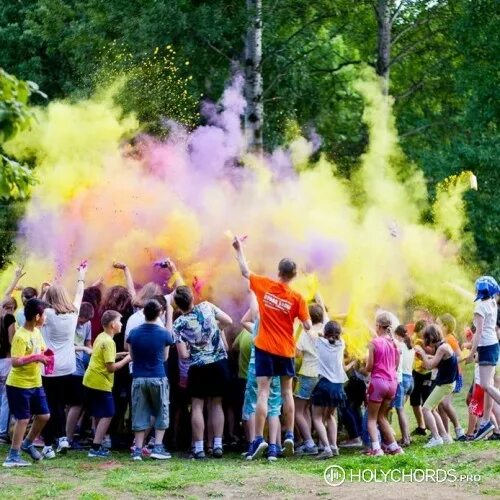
column 26, row 343
column 97, row 376
column 418, row 364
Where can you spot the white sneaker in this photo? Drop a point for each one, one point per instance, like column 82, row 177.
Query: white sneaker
column 63, row 445
column 459, row 432
column 48, row 452
column 447, row 439
column 434, row 442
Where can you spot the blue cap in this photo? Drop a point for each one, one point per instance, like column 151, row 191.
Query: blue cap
column 486, row 287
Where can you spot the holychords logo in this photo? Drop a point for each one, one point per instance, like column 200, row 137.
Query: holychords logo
column 335, row 475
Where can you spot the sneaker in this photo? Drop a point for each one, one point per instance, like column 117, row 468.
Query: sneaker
column 136, row 454
column 217, row 452
column 351, row 443
column 160, row 453
column 15, row 461
column 459, row 432
column 375, row 453
column 463, row 438
column 146, row 452
column 335, row 451
column 32, row 452
column 199, row 455
column 397, row 451
column 48, row 452
column 106, row 443
column 272, row 453
column 63, row 445
column 434, row 442
column 257, row 449
column 306, row 450
column 75, row 445
column 483, row 431
column 494, row 437
column 325, row 454
column 288, row 445
column 100, row 453
column 447, row 439
column 419, row 431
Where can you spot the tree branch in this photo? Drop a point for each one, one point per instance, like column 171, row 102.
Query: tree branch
column 338, row 67
column 397, row 11
column 408, row 29
column 406, row 51
column 420, row 129
column 213, row 47
column 410, row 90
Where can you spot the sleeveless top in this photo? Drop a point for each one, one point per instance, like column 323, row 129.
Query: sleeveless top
column 384, row 359
column 447, row 370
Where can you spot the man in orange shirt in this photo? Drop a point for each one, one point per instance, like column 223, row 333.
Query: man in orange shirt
column 279, row 306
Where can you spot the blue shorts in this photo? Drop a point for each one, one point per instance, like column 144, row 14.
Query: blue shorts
column 305, row 386
column 26, row 402
column 150, row 399
column 100, row 404
column 272, row 365
column 250, row 401
column 487, row 355
column 405, row 388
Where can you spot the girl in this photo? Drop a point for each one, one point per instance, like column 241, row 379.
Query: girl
column 446, row 363
column 329, row 393
column 59, row 335
column 485, row 342
column 383, row 360
column 406, row 386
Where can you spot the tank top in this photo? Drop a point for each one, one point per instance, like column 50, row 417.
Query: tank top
column 384, row 359
column 447, row 370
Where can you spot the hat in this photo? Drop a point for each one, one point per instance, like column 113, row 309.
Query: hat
column 486, row 287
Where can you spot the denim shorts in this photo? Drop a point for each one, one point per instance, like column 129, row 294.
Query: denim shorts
column 487, row 355
column 405, row 388
column 250, row 401
column 304, row 387
column 150, row 399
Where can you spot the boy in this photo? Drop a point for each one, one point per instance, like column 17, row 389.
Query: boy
column 279, row 306
column 24, row 384
column 99, row 377
column 28, row 293
column 149, row 345
column 83, row 339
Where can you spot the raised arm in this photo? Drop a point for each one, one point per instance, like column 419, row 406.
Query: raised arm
column 18, row 274
column 240, row 257
column 128, row 277
column 319, row 300
column 80, row 285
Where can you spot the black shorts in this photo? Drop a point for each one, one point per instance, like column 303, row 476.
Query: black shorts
column 272, row 365
column 100, row 404
column 422, row 388
column 209, row 381
column 66, row 389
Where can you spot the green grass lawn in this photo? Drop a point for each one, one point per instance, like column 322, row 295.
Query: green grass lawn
column 76, row 476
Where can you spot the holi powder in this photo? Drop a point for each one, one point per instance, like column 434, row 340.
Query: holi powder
column 102, row 196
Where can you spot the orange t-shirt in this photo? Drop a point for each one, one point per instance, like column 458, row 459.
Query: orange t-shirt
column 279, row 305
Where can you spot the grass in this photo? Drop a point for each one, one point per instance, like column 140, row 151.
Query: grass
column 76, row 476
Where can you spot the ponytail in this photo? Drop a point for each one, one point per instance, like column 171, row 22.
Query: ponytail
column 403, row 333
column 383, row 320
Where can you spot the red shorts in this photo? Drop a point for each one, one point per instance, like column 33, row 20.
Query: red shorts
column 380, row 389
column 476, row 405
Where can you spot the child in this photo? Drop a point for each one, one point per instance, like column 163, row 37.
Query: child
column 448, row 325
column 486, row 344
column 307, row 379
column 98, row 380
column 446, row 363
column 329, row 393
column 406, row 386
column 24, row 384
column 149, row 344
column 27, row 294
column 83, row 339
column 421, row 381
column 383, row 360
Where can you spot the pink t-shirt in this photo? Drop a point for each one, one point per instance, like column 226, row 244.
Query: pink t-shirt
column 385, row 359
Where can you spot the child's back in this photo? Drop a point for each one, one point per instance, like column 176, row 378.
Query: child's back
column 331, row 360
column 385, row 358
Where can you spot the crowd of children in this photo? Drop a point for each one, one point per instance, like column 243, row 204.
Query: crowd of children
column 116, row 367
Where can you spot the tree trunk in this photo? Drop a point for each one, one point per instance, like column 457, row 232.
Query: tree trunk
column 384, row 25
column 254, row 115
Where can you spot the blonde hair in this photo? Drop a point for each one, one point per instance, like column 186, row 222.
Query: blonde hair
column 147, row 292
column 383, row 319
column 57, row 298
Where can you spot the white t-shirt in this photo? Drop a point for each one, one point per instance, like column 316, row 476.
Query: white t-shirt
column 488, row 310
column 307, row 345
column 138, row 319
column 331, row 360
column 408, row 357
column 399, row 371
column 59, row 335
